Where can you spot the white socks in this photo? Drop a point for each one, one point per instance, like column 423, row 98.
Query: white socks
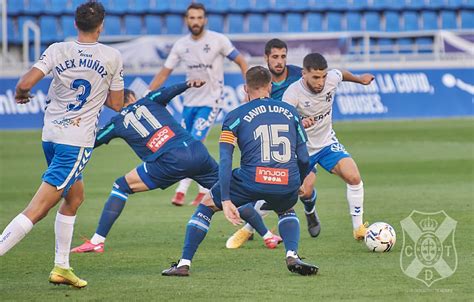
column 184, row 185
column 184, row 262
column 202, row 189
column 292, row 254
column 14, row 232
column 63, row 229
column 96, row 239
column 355, row 198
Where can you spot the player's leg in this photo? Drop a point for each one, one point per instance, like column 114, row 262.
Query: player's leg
column 196, row 231
column 347, row 169
column 205, row 171
column 309, row 202
column 187, row 123
column 289, row 228
column 201, row 125
column 45, row 198
column 62, row 273
column 113, row 207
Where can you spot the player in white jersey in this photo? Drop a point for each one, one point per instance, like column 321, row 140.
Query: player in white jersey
column 86, row 74
column 202, row 53
column 313, row 97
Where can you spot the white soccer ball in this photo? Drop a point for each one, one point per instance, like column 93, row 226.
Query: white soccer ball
column 380, row 237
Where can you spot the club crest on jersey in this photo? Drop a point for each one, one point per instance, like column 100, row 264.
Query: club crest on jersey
column 428, row 253
column 206, row 48
column 271, row 176
column 329, row 97
column 160, row 138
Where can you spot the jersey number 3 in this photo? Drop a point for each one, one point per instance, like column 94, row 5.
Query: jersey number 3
column 270, row 137
column 82, row 97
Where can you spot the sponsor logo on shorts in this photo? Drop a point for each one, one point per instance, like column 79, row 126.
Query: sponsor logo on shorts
column 160, row 138
column 272, row 176
column 337, row 147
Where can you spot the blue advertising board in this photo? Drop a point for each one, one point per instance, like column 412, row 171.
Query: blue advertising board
column 395, row 94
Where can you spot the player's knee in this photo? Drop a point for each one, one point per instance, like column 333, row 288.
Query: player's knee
column 122, row 185
column 353, row 180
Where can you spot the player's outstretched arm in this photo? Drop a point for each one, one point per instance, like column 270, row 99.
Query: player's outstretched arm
column 105, row 135
column 165, row 95
column 26, row 82
column 364, row 79
column 160, row 78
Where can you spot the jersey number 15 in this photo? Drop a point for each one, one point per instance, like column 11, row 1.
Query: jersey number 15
column 270, row 137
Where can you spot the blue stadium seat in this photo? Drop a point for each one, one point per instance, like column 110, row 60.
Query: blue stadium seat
column 410, row 20
column 424, row 44
column 216, row 6
column 261, row 6
column 454, row 4
column 334, row 21
column 372, row 21
column 386, row 46
column 139, row 6
column 15, row 7
column 174, row 24
column 448, row 19
column 21, row 21
column 387, row 4
column 315, row 22
column 467, row 19
column 359, row 5
column 295, row 5
column 215, row 22
column 437, row 4
column 429, row 20
column 133, row 25
column 49, row 32
column 35, row 7
column 67, row 25
column 178, row 6
column 275, row 23
column 153, row 25
column 58, row 7
column 255, row 23
column 159, row 6
column 353, row 21
column 116, row 6
column 112, row 25
column 392, row 21
column 12, row 32
column 240, row 6
column 415, row 4
column 405, row 45
column 236, row 23
column 294, row 22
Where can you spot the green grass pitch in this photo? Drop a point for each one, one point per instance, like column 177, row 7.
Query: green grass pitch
column 406, row 165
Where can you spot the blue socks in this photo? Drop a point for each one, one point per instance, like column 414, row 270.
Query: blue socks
column 289, row 228
column 196, row 230
column 249, row 214
column 113, row 206
column 310, row 202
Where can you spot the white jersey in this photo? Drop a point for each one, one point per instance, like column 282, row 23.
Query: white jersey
column 318, row 106
column 203, row 59
column 83, row 74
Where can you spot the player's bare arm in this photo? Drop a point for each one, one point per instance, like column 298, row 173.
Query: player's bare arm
column 231, row 212
column 160, row 78
column 240, row 60
column 115, row 100
column 27, row 81
column 364, row 79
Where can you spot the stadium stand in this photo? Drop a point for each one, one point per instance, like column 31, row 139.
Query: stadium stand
column 418, row 18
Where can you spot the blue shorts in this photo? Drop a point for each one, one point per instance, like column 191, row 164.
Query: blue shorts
column 189, row 161
column 329, row 156
column 65, row 164
column 241, row 194
column 198, row 120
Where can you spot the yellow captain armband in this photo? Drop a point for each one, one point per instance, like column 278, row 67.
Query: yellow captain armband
column 228, row 137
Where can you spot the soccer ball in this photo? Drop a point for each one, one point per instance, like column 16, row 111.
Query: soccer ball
column 380, row 237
